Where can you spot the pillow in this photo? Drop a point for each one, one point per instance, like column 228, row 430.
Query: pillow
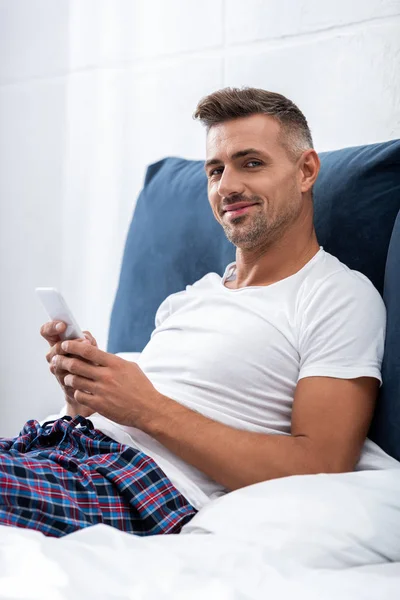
column 320, row 521
column 173, row 241
column 356, row 201
column 174, row 238
column 385, row 429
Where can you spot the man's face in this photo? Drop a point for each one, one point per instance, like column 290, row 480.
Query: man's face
column 247, row 163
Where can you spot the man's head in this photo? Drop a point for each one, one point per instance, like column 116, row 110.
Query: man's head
column 259, row 152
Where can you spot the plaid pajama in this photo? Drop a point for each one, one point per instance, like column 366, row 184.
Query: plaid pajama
column 66, row 475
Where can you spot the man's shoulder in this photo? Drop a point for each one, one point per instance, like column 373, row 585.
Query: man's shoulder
column 333, row 284
column 330, row 273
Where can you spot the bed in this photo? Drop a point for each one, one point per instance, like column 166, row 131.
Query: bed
column 319, row 536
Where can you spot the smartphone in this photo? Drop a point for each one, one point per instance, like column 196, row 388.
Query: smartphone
column 58, row 310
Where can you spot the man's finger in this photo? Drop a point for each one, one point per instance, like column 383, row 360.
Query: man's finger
column 54, row 350
column 52, row 329
column 88, row 352
column 89, row 337
column 91, row 400
column 80, row 383
column 76, row 366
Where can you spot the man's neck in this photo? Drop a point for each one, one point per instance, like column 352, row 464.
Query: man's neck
column 265, row 266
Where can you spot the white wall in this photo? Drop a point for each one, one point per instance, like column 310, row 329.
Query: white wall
column 91, row 91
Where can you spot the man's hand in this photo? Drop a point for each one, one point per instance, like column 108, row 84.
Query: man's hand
column 51, row 333
column 104, row 383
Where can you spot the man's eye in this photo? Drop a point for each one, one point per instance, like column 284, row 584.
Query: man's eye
column 253, row 163
column 217, row 171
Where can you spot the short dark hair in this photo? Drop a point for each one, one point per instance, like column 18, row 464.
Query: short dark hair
column 232, row 103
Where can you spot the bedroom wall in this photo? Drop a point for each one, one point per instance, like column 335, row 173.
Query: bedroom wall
column 91, row 92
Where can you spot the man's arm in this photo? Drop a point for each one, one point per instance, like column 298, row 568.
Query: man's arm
column 330, row 421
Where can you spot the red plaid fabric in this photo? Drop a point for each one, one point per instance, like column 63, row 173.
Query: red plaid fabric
column 66, row 475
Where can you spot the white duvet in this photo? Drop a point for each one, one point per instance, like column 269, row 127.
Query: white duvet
column 310, row 537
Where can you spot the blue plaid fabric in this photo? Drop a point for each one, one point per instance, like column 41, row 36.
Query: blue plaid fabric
column 66, row 475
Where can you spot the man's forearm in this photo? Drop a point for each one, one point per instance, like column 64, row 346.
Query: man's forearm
column 232, row 457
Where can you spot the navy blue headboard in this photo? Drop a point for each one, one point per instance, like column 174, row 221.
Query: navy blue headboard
column 174, row 240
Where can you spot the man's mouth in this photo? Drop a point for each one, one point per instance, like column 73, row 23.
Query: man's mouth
column 238, row 209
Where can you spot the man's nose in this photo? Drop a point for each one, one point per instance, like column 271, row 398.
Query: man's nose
column 230, row 183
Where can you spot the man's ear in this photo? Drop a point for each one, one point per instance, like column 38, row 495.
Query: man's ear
column 309, row 168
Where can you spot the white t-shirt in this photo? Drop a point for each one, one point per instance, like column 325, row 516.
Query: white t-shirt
column 236, row 355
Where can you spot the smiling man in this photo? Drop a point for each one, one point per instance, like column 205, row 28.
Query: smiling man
column 270, row 371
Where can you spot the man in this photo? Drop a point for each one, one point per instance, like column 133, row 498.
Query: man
column 270, row 371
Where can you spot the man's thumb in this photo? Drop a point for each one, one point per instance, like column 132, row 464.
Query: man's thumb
column 89, row 338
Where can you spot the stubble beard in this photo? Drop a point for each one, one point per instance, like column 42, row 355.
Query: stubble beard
column 257, row 231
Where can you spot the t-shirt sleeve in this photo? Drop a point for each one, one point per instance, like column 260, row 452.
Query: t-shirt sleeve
column 172, row 303
column 169, row 306
column 342, row 329
column 163, row 312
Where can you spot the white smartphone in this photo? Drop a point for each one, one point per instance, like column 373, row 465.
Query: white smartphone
column 57, row 309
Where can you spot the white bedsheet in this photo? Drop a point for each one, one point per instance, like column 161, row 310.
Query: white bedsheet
column 284, row 539
column 101, row 562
